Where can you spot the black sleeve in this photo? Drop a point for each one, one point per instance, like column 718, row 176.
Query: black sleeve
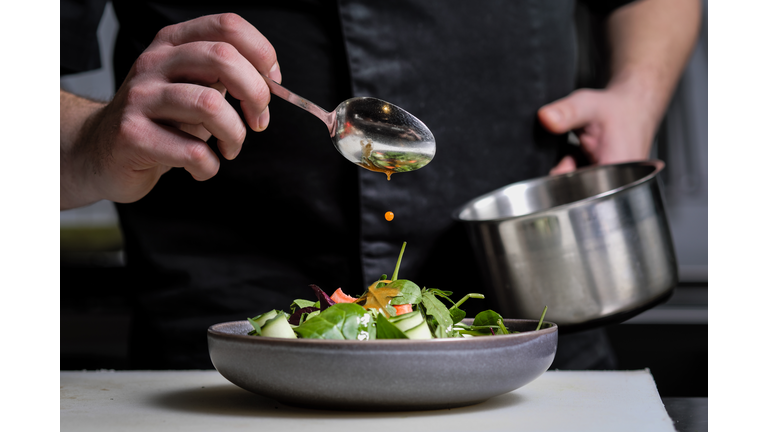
column 604, row 7
column 79, row 46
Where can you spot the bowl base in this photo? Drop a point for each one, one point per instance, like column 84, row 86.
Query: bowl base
column 380, row 407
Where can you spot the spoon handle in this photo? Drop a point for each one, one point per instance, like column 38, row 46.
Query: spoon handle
column 329, row 118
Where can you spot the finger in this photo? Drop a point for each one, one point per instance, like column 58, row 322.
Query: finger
column 229, row 28
column 210, row 62
column 172, row 147
column 571, row 112
column 197, row 129
column 199, row 105
column 566, row 165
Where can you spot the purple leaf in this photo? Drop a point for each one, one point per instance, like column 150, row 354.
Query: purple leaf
column 325, row 301
column 296, row 317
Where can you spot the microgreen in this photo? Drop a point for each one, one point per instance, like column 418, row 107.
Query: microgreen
column 541, row 320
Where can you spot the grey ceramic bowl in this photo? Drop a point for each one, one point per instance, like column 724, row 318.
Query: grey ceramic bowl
column 382, row 375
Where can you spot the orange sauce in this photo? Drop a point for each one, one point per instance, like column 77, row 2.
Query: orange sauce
column 377, row 298
column 367, row 165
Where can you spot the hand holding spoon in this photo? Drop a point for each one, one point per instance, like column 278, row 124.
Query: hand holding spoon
column 370, row 132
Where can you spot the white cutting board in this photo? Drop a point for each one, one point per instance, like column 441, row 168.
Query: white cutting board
column 204, row 401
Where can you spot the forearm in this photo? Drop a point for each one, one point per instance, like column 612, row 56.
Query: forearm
column 74, row 113
column 651, row 41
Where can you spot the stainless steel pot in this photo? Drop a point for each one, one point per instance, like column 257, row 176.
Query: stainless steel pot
column 592, row 245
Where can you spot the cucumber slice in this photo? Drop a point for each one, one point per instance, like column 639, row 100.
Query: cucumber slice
column 407, row 321
column 278, row 327
column 421, row 331
column 263, row 318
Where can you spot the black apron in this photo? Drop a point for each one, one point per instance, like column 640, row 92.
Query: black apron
column 290, row 211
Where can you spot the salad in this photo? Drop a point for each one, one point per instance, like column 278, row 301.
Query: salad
column 389, row 309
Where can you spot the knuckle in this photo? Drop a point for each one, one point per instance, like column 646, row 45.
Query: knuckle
column 147, row 62
column 130, row 130
column 136, row 95
column 266, row 51
column 196, row 154
column 262, row 95
column 230, row 23
column 166, row 33
column 209, row 101
column 240, row 135
column 223, row 53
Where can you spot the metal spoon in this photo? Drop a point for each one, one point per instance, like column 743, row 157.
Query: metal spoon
column 370, row 132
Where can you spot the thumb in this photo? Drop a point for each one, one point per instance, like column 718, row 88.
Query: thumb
column 566, row 165
column 571, row 112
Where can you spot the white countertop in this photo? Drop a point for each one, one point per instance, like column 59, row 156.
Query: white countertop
column 205, row 401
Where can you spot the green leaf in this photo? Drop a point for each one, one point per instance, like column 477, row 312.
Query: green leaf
column 307, row 316
column 457, row 315
column 444, row 294
column 487, row 318
column 502, row 327
column 301, row 304
column 410, row 293
column 390, row 310
column 340, row 321
column 436, row 309
column 256, row 327
column 387, row 330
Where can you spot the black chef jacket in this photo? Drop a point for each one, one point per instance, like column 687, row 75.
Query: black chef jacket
column 290, row 211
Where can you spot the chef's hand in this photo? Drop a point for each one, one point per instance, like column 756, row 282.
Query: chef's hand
column 169, row 105
column 610, row 125
column 650, row 44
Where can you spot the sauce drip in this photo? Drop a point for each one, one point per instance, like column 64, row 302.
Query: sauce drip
column 378, row 298
column 367, row 165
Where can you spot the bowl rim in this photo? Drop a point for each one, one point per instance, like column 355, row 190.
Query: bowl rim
column 215, row 332
column 657, row 164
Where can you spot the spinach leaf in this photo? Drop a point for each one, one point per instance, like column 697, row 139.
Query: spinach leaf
column 457, row 315
column 340, row 321
column 387, row 330
column 410, row 293
column 487, row 318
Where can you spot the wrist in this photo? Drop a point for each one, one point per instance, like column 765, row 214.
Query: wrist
column 78, row 117
column 643, row 89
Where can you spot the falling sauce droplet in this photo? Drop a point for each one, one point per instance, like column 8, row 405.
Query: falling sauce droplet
column 389, row 216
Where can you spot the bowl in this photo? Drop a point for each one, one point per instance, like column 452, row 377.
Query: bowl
column 382, row 375
column 593, row 245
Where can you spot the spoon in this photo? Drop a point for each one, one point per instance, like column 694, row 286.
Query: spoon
column 370, row 132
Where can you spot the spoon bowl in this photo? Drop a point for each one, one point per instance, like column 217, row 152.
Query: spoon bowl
column 371, row 133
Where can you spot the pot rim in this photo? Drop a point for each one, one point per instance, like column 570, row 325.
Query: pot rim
column 657, row 164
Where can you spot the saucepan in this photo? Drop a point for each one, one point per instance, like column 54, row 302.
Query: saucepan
column 592, row 245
